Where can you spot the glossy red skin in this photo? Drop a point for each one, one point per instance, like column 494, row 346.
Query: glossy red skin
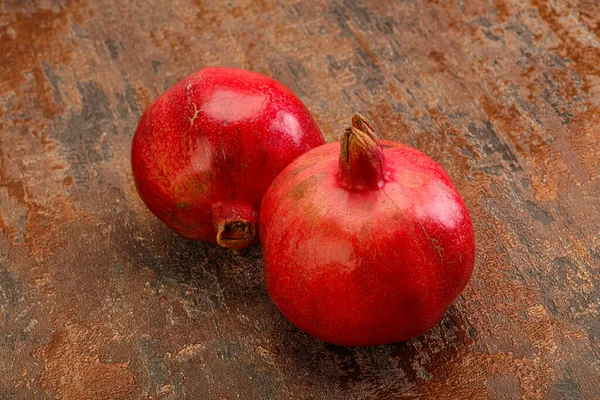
column 213, row 143
column 371, row 267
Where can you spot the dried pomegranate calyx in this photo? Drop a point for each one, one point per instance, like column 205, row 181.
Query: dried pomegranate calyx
column 235, row 224
column 362, row 163
column 235, row 234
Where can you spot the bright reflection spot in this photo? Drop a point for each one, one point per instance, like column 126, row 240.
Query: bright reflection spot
column 226, row 105
column 286, row 122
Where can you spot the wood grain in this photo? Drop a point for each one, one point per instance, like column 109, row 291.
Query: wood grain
column 98, row 300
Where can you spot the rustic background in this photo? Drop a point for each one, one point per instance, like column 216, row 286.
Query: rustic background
column 98, row 300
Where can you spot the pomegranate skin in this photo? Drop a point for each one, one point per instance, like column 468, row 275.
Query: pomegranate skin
column 359, row 266
column 206, row 150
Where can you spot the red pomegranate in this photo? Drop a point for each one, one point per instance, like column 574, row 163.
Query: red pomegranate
column 206, row 150
column 365, row 246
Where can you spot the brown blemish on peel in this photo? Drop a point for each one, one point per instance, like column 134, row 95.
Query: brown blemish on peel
column 307, row 185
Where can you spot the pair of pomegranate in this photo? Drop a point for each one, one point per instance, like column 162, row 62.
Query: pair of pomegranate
column 365, row 242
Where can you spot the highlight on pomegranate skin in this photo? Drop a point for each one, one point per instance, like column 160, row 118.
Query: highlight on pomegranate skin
column 365, row 242
column 206, row 150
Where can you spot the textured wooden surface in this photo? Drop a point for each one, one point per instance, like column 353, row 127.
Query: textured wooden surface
column 98, row 300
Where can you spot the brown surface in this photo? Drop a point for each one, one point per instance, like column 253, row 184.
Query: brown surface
column 98, row 300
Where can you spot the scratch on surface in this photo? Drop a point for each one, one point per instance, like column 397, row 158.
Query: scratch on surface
column 433, row 241
column 362, row 43
column 189, row 351
column 88, row 162
column 394, row 203
column 196, row 112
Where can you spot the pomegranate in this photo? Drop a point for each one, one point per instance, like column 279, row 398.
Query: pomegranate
column 365, row 246
column 206, row 150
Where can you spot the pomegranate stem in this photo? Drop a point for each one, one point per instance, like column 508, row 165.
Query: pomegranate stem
column 362, row 162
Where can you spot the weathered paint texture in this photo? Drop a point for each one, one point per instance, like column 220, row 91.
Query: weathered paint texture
column 99, row 300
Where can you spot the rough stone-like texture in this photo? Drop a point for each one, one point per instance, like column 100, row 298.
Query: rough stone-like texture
column 98, row 300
